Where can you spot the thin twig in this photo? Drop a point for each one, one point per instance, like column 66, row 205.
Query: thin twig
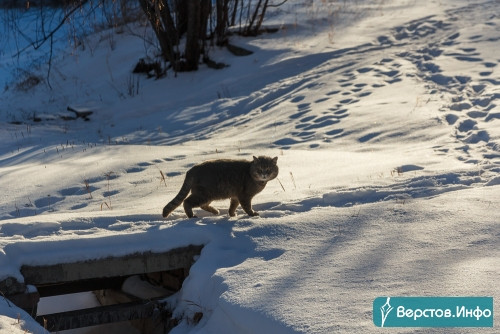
column 50, row 61
column 3, row 295
column 281, row 185
column 277, row 5
column 38, row 43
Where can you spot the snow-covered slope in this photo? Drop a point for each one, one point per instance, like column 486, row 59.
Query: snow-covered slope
column 385, row 121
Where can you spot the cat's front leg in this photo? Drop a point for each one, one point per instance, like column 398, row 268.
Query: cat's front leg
column 247, row 206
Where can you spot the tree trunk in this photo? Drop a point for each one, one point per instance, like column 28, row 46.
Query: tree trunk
column 159, row 15
column 181, row 9
column 249, row 30
column 222, row 22
column 261, row 17
column 206, row 9
column 173, row 19
column 256, row 19
column 198, row 11
column 235, row 10
column 192, row 51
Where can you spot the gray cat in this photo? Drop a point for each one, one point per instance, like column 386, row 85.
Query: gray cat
column 239, row 180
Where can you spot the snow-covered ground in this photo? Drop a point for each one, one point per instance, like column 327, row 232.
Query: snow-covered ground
column 384, row 116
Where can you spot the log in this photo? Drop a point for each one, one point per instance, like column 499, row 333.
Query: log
column 84, row 113
column 107, row 314
column 128, row 265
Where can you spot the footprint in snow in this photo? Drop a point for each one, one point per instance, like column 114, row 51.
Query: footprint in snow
column 322, row 100
column 369, row 137
column 297, row 99
column 134, row 170
column 47, row 202
column 72, row 191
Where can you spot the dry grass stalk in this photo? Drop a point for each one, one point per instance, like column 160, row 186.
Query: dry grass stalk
column 281, row 185
column 87, row 187
column 163, row 179
column 293, row 180
column 105, row 203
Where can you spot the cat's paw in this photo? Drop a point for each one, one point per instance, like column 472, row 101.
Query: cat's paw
column 165, row 213
column 255, row 214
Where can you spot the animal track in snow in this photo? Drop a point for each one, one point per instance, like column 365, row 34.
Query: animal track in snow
column 72, row 191
column 408, row 184
column 95, row 190
column 473, row 96
column 46, row 203
column 420, row 50
column 134, row 169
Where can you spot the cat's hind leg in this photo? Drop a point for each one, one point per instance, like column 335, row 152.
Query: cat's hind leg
column 198, row 201
column 191, row 202
column 232, row 207
column 209, row 208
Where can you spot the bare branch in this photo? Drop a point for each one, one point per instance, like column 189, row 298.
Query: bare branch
column 278, row 4
column 38, row 43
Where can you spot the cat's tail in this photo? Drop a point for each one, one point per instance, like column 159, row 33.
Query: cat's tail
column 185, row 189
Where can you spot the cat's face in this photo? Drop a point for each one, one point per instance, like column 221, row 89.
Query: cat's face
column 264, row 168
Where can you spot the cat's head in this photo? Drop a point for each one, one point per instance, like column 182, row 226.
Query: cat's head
column 264, row 168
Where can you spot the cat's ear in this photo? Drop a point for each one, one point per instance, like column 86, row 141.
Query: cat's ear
column 255, row 158
column 275, row 160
